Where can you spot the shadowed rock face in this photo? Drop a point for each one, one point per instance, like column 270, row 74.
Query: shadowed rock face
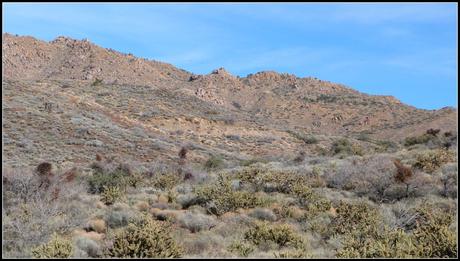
column 132, row 107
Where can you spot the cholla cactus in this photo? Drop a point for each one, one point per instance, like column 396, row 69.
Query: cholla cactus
column 149, row 239
column 110, row 195
column 57, row 247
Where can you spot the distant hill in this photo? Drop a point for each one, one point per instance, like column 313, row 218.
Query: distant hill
column 69, row 99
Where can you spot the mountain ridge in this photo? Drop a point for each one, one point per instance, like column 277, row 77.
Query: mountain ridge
column 260, row 115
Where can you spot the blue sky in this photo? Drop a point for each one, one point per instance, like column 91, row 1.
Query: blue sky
column 405, row 50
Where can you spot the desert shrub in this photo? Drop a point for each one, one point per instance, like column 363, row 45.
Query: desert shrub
column 292, row 253
column 183, row 153
column 57, row 247
column 403, row 173
column 280, row 234
column 213, row 162
column 263, row 214
column 196, row 222
column 290, row 211
column 44, row 168
column 422, row 139
column 119, row 218
column 431, row 161
column 241, row 248
column 220, row 197
column 97, row 225
column 119, row 176
column 389, row 244
column 449, row 180
column 327, row 98
column 344, row 147
column 372, row 177
column 387, row 145
column 432, row 234
column 360, row 225
column 270, row 180
column 358, row 217
column 30, row 214
column 300, row 158
column 433, row 132
column 229, row 120
column 249, row 162
column 236, row 105
column 308, row 139
column 110, row 195
column 166, row 181
column 147, row 239
column 430, row 238
column 97, row 82
column 86, row 247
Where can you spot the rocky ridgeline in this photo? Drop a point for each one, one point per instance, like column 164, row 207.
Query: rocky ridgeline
column 66, row 58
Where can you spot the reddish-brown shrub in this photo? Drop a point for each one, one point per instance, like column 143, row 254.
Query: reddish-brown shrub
column 44, row 169
column 403, row 173
column 433, row 132
column 70, row 175
column 183, row 153
column 188, row 176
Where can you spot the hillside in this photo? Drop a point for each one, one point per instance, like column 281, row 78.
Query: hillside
column 106, row 155
column 151, row 108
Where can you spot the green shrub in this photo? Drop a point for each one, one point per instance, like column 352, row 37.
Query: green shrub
column 220, row 197
column 431, row 161
column 280, row 234
column 110, row 195
column 293, row 253
column 243, row 249
column 166, row 181
column 308, row 139
column 148, row 239
column 422, row 139
column 358, row 217
column 389, row 244
column 213, row 162
column 97, row 82
column 101, row 179
column 280, row 181
column 249, row 162
column 430, row 238
column 57, row 247
column 344, row 147
column 432, row 234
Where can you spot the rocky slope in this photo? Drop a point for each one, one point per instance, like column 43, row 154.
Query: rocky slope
column 67, row 99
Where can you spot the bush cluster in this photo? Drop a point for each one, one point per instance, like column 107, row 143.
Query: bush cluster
column 431, row 161
column 280, row 234
column 148, row 239
column 57, row 247
column 345, row 147
column 220, row 197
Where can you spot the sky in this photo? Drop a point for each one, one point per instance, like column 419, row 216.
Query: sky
column 406, row 50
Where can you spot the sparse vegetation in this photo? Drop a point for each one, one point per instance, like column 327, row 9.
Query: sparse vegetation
column 345, row 147
column 97, row 82
column 142, row 160
column 213, row 162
